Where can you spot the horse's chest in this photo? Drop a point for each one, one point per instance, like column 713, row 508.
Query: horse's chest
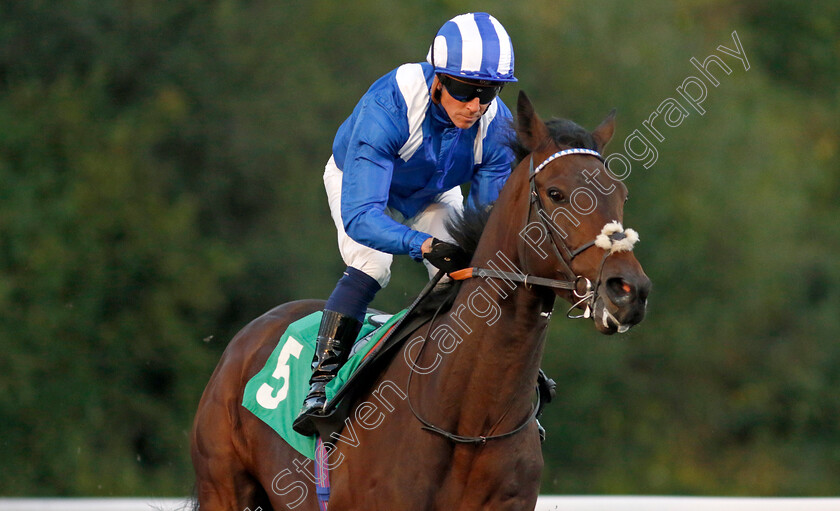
column 425, row 480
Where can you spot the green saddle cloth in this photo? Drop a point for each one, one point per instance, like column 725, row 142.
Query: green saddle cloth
column 276, row 393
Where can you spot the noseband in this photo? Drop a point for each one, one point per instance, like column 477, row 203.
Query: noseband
column 613, row 238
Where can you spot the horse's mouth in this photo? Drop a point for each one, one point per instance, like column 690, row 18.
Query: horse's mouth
column 608, row 322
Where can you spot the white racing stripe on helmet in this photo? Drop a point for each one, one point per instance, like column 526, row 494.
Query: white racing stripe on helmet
column 471, row 46
column 440, row 52
column 505, row 50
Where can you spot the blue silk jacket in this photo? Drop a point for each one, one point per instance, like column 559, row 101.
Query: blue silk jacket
column 398, row 149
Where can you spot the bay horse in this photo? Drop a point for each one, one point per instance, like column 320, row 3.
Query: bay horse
column 449, row 423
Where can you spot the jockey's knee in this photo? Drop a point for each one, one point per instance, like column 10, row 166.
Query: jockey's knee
column 376, row 270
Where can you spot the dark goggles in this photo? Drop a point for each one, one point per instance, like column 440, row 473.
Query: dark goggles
column 463, row 91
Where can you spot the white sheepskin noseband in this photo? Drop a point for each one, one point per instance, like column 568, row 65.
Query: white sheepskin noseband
column 616, row 238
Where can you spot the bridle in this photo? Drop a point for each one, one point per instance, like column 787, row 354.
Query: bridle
column 613, row 238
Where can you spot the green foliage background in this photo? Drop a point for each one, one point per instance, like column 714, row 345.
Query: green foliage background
column 160, row 185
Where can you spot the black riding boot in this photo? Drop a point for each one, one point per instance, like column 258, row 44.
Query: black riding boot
column 335, row 339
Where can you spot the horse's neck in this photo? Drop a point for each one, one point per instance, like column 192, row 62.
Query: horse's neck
column 507, row 321
column 494, row 368
column 488, row 379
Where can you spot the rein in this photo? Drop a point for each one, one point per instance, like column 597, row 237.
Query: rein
column 464, row 439
column 521, row 278
column 613, row 238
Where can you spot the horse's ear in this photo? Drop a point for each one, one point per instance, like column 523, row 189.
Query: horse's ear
column 530, row 128
column 604, row 132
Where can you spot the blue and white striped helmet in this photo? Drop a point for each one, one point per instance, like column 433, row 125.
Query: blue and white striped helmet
column 475, row 46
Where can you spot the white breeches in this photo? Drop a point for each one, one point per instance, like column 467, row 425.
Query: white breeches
column 431, row 220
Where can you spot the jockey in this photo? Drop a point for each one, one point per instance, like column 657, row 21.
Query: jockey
column 395, row 175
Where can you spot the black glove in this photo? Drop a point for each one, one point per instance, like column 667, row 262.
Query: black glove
column 446, row 256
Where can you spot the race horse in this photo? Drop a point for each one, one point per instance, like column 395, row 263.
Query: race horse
column 449, row 423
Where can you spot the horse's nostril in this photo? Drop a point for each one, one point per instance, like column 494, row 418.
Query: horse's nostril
column 623, row 292
column 619, row 289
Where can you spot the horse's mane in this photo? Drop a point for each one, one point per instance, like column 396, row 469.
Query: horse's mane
column 564, row 133
column 466, row 228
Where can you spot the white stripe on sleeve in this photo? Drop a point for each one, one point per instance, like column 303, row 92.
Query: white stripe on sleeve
column 415, row 92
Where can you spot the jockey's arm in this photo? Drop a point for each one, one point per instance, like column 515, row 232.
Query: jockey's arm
column 364, row 197
column 366, row 185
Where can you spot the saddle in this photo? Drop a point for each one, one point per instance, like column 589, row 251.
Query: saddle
column 338, row 408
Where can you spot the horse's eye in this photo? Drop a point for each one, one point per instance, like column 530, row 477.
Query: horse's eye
column 556, row 195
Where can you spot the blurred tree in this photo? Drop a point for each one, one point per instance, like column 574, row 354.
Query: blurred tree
column 797, row 42
column 107, row 285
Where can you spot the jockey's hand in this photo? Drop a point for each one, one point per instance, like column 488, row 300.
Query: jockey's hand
column 447, row 256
